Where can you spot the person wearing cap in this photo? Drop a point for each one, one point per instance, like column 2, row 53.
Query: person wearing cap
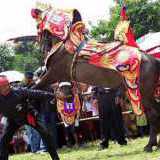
column 11, row 106
column 68, row 106
column 28, row 79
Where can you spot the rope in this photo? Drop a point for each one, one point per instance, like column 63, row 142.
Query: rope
column 94, row 118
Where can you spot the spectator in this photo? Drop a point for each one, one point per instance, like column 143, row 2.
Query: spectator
column 18, row 142
column 94, row 103
column 28, row 79
column 118, row 119
column 70, row 131
column 3, row 125
column 108, row 117
column 90, row 105
column 68, row 105
column 87, row 105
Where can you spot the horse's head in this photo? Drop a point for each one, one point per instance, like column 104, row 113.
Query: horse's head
column 65, row 92
column 54, row 26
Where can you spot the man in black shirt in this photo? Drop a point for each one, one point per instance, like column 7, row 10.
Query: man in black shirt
column 111, row 123
column 11, row 106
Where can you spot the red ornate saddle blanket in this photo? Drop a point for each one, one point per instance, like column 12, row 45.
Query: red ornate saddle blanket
column 93, row 47
column 114, row 56
column 121, row 58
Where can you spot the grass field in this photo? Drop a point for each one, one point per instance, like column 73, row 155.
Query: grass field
column 133, row 151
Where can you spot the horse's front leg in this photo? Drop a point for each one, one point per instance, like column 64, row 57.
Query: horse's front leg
column 152, row 139
column 45, row 80
column 48, row 137
column 153, row 120
column 148, row 80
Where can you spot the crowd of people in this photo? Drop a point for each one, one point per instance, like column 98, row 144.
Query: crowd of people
column 103, row 105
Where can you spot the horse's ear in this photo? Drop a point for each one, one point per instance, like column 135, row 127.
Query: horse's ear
column 77, row 33
column 76, row 16
column 36, row 13
column 78, row 27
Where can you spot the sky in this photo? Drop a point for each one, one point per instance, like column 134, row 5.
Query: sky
column 16, row 19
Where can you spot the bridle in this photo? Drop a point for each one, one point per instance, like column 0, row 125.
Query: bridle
column 74, row 61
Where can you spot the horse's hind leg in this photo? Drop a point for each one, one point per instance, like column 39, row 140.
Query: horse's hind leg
column 157, row 127
column 152, row 118
column 148, row 79
column 152, row 139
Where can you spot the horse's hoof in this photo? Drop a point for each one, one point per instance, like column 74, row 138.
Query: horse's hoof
column 102, row 147
column 148, row 149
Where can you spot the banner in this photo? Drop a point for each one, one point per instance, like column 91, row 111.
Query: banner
column 124, row 31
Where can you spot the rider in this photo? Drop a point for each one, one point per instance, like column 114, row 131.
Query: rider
column 12, row 106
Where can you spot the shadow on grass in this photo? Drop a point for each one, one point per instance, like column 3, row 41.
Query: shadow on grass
column 124, row 154
column 97, row 154
column 87, row 147
column 118, row 156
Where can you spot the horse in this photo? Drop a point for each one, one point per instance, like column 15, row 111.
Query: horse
column 64, row 66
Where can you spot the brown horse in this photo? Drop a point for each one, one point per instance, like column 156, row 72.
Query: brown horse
column 59, row 65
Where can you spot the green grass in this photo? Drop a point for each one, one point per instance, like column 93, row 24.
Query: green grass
column 133, row 151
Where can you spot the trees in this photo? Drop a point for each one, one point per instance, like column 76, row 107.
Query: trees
column 144, row 16
column 6, row 57
column 27, row 56
column 24, row 56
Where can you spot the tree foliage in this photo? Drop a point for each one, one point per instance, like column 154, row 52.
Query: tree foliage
column 6, row 57
column 144, row 16
column 25, row 56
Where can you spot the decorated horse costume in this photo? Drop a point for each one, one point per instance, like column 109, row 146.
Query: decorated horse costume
column 69, row 111
column 64, row 63
column 115, row 56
